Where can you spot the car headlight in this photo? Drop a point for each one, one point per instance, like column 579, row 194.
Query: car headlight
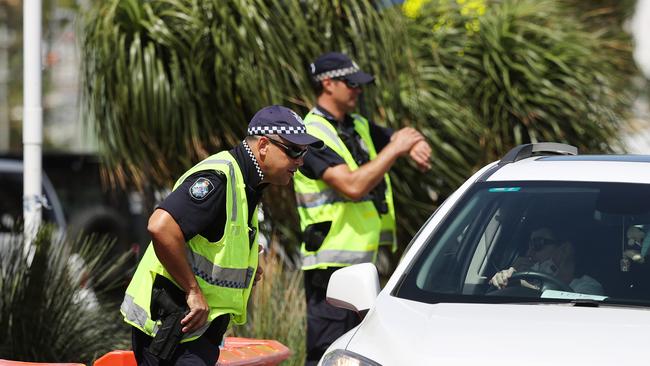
column 341, row 357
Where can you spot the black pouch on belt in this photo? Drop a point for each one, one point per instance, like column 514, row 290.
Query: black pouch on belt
column 315, row 234
column 167, row 304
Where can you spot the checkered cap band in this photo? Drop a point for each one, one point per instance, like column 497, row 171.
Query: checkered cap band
column 337, row 73
column 277, row 130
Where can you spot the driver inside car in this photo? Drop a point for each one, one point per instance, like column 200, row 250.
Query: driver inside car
column 549, row 255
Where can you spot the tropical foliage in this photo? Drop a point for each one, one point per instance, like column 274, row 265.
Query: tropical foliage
column 52, row 308
column 170, row 81
column 528, row 71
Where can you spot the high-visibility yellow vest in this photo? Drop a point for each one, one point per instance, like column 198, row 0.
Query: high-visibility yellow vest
column 224, row 269
column 356, row 226
column 387, row 236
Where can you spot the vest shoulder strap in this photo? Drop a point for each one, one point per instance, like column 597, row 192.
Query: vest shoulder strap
column 323, row 128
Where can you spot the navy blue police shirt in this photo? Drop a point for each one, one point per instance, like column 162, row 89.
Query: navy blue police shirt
column 198, row 205
column 317, row 161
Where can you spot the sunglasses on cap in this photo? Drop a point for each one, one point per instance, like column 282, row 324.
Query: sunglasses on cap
column 294, row 152
column 348, row 83
column 538, row 243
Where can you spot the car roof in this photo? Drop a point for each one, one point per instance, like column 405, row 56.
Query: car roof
column 546, row 166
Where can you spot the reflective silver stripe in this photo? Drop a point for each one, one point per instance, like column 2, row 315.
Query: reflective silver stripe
column 325, row 197
column 308, row 200
column 218, row 276
column 337, row 256
column 135, row 313
column 331, row 135
column 386, row 237
column 233, row 182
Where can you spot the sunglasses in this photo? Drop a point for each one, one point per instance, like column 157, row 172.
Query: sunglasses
column 350, row 84
column 538, row 243
column 293, row 152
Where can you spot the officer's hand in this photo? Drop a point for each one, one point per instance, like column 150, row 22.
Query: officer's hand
column 421, row 153
column 404, row 139
column 199, row 311
column 500, row 279
column 258, row 274
column 260, row 271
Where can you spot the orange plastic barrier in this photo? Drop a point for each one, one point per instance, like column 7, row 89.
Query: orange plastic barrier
column 116, row 358
column 235, row 352
column 252, row 352
column 19, row 363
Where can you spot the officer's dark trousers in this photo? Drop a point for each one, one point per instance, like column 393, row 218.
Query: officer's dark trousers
column 204, row 351
column 325, row 323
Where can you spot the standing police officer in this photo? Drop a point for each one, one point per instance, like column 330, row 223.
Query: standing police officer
column 197, row 273
column 343, row 191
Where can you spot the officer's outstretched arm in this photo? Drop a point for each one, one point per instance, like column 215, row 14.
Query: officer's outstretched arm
column 170, row 247
column 358, row 183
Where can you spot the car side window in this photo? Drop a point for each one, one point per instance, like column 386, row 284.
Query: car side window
column 443, row 268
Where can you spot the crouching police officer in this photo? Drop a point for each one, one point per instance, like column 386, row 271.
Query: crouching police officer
column 196, row 274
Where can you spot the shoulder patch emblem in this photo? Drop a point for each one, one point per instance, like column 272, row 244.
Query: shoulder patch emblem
column 201, row 188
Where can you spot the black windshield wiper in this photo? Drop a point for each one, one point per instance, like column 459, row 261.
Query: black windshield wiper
column 586, row 303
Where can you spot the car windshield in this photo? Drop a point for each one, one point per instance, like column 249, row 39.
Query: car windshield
column 551, row 241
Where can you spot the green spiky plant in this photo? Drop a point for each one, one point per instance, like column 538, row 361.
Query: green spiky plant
column 48, row 312
column 529, row 70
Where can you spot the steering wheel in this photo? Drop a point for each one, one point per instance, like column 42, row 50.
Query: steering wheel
column 548, row 282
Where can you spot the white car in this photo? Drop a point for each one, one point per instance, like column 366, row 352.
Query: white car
column 447, row 303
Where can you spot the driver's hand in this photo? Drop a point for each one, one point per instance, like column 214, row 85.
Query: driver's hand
column 500, row 279
column 525, row 283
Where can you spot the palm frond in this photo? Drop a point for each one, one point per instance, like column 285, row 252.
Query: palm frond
column 48, row 309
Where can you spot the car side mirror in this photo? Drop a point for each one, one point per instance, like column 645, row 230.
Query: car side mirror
column 354, row 288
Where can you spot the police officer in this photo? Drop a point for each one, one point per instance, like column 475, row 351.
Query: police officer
column 196, row 274
column 343, row 191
